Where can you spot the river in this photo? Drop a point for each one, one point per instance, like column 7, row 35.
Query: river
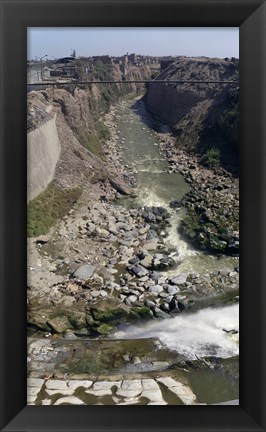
column 199, row 334
column 155, row 186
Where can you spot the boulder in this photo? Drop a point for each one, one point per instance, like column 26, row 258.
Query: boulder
column 181, row 306
column 175, row 204
column 158, row 313
column 104, row 329
column 84, row 272
column 147, row 261
column 156, row 289
column 173, row 305
column 179, row 280
column 59, row 324
column 122, row 189
column 131, row 299
column 151, row 245
column 77, row 319
column 141, row 312
column 109, row 311
column 163, row 262
column 172, row 289
column 102, row 232
column 139, row 271
column 39, row 320
column 217, row 245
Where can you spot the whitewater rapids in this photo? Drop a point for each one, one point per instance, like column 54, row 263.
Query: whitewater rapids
column 200, row 334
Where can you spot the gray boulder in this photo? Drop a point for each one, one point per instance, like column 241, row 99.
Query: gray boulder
column 179, row 280
column 156, row 289
column 139, row 271
column 158, row 313
column 172, row 289
column 84, row 272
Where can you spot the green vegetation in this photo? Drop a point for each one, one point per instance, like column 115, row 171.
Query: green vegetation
column 232, row 115
column 102, row 131
column 92, row 103
column 95, row 140
column 50, row 205
column 90, row 141
column 211, row 157
column 208, row 224
column 102, row 71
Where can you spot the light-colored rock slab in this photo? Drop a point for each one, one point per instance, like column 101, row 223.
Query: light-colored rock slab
column 99, row 393
column 46, row 402
column 185, row 394
column 35, row 382
column 129, row 402
column 153, row 395
column 106, row 385
column 74, row 384
column 157, row 403
column 129, row 393
column 33, row 391
column 63, row 392
column 167, row 381
column 150, row 384
column 31, row 400
column 56, row 384
column 182, row 391
column 72, row 400
column 131, row 385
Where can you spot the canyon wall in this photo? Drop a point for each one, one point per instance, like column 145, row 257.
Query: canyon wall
column 202, row 115
column 66, row 132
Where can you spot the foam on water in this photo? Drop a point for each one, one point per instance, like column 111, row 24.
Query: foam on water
column 149, row 197
column 196, row 334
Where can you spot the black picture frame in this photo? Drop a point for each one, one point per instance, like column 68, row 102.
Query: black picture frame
column 16, row 16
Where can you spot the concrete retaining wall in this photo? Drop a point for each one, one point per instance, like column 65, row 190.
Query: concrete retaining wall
column 43, row 152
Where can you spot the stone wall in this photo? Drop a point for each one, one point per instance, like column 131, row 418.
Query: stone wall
column 43, row 152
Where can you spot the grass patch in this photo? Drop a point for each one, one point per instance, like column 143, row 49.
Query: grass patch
column 95, row 140
column 91, row 142
column 103, row 131
column 48, row 207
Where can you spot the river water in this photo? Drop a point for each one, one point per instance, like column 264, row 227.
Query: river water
column 199, row 334
column 155, row 186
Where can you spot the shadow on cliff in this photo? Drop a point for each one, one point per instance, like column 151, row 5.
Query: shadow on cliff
column 220, row 130
column 139, row 108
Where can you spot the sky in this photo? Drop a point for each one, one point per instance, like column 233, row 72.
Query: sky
column 117, row 41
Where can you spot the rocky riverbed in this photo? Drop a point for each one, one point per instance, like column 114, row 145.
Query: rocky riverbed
column 211, row 219
column 105, row 264
column 109, row 265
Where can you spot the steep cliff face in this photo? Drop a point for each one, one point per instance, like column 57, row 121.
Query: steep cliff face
column 203, row 116
column 66, row 132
